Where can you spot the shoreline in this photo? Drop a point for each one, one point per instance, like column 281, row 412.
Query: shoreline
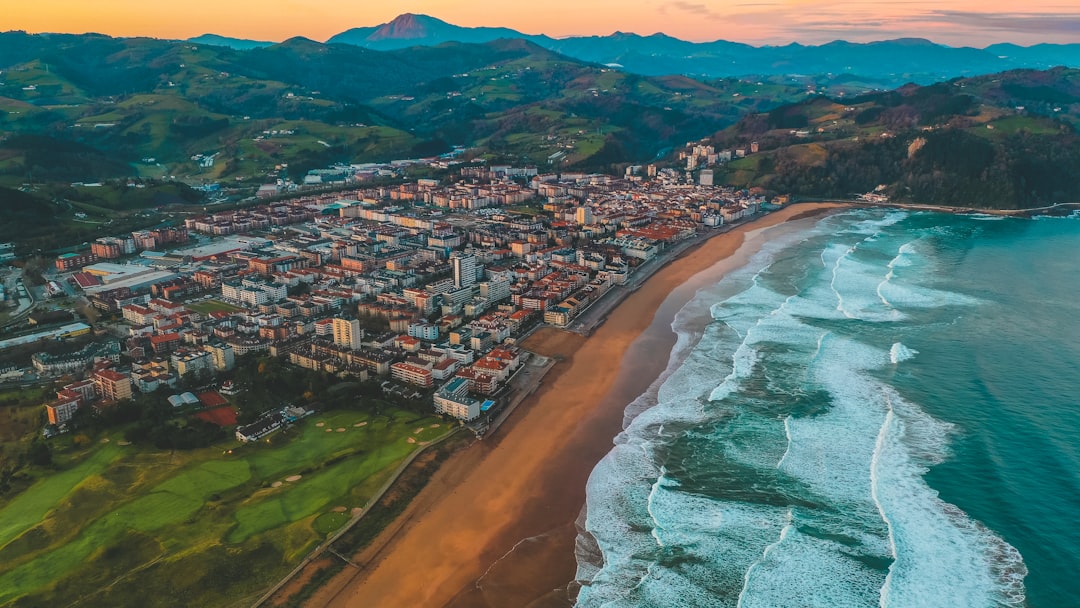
column 496, row 524
column 953, row 209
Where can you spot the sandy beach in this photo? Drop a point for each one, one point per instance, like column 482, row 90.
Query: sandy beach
column 495, row 526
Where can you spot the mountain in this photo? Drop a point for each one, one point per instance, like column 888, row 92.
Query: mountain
column 896, row 62
column 421, row 30
column 1005, row 140
column 238, row 44
column 1039, row 55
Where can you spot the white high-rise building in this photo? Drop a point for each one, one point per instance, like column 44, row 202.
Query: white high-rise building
column 495, row 289
column 464, row 269
column 347, row 333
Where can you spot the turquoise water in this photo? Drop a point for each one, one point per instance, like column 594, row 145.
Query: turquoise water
column 883, row 410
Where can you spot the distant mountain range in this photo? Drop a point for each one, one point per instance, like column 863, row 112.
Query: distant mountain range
column 238, row 44
column 894, row 62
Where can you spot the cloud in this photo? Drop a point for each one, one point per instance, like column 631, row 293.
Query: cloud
column 1027, row 23
column 819, row 21
column 692, row 8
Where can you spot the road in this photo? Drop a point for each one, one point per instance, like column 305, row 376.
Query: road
column 26, row 305
column 595, row 315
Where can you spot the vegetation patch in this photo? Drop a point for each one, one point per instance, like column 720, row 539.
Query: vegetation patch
column 205, row 525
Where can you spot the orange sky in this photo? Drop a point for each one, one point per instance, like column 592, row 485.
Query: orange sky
column 956, row 22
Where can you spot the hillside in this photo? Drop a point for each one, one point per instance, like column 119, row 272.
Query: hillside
column 1001, row 141
column 150, row 106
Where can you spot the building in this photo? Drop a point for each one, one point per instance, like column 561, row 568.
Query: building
column 62, row 410
column 221, row 356
column 72, row 261
column 453, row 400
column 347, row 333
column 110, row 248
column 112, row 385
column 376, row 361
column 262, row 427
column 495, row 290
column 187, row 361
column 163, row 344
column 55, row 365
column 464, row 269
column 481, row 383
column 424, row 331
column 583, row 216
column 412, row 374
column 253, row 292
column 85, row 389
column 139, row 315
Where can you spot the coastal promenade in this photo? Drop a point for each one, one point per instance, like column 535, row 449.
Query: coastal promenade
column 591, row 318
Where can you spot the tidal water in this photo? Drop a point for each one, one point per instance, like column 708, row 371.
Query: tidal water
column 881, row 410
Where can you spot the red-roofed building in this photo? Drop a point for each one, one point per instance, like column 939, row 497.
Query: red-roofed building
column 500, row 370
column 112, row 385
column 408, row 343
column 83, row 388
column 164, row 344
column 139, row 315
column 444, row 369
column 71, row 261
column 481, row 383
column 65, row 406
column 412, row 374
column 505, row 354
column 85, row 280
column 166, row 307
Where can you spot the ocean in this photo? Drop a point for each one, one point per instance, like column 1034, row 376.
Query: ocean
column 880, row 410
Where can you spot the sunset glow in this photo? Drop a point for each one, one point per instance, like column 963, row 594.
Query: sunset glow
column 958, row 23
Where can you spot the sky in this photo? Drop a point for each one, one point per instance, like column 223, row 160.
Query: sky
column 952, row 22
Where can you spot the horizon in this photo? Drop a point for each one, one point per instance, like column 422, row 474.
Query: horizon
column 961, row 23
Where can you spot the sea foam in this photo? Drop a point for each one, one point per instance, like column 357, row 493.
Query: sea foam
column 899, row 353
column 773, row 466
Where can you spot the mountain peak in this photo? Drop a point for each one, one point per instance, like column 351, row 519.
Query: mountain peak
column 407, row 26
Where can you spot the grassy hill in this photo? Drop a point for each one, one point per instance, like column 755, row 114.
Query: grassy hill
column 133, row 99
column 1002, row 141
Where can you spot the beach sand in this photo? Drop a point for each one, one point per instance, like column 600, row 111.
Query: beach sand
column 496, row 525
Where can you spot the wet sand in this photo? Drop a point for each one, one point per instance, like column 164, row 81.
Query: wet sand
column 496, row 526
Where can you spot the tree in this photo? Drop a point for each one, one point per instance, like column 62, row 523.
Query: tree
column 39, row 454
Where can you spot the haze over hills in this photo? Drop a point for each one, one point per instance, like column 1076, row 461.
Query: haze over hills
column 894, row 61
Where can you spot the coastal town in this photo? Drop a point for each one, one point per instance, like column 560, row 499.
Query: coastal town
column 425, row 286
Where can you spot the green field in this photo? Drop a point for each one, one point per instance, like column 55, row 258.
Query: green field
column 122, row 524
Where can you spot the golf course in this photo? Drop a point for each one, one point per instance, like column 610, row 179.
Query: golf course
column 119, row 524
